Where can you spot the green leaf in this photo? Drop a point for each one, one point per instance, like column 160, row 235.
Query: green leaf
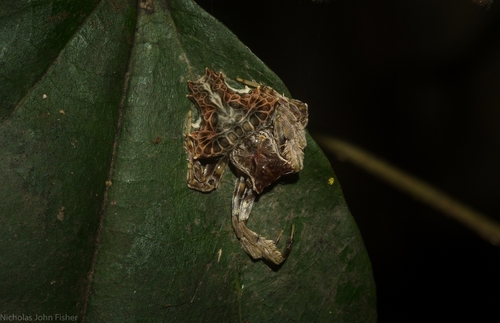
column 96, row 218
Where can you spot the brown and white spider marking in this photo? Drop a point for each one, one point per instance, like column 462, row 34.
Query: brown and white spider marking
column 260, row 132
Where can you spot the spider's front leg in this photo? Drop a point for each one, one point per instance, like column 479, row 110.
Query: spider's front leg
column 255, row 245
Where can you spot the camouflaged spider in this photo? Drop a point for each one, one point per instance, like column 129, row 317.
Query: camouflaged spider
column 260, row 132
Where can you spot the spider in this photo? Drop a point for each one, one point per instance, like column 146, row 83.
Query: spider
column 260, row 132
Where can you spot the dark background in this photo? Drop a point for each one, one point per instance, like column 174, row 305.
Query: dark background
column 418, row 84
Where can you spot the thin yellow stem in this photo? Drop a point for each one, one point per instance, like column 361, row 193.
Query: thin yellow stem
column 480, row 223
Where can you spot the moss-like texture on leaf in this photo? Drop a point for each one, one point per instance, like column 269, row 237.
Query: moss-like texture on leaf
column 96, row 218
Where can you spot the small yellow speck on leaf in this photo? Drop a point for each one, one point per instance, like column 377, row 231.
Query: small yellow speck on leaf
column 331, row 180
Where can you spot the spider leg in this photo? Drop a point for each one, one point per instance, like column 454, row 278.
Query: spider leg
column 247, row 82
column 205, row 178
column 254, row 244
column 243, row 199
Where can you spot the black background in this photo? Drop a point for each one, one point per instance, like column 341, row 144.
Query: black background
column 418, row 84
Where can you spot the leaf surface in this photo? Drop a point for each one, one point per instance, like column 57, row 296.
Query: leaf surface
column 94, row 95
